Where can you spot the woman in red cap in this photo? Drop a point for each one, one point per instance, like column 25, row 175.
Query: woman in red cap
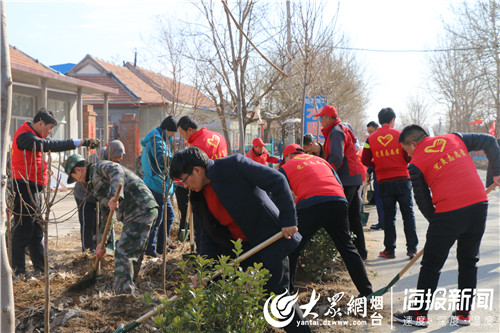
column 259, row 153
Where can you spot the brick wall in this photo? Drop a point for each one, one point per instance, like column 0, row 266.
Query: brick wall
column 129, row 135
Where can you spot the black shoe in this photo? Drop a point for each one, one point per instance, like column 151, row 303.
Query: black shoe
column 413, row 318
column 387, row 254
column 463, row 317
column 153, row 254
column 376, row 227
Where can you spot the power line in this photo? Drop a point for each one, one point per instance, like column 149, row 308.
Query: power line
column 407, row 51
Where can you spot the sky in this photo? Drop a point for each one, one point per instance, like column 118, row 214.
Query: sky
column 57, row 32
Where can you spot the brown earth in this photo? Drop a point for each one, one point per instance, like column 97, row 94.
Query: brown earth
column 98, row 309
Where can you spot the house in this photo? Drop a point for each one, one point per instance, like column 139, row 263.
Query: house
column 37, row 86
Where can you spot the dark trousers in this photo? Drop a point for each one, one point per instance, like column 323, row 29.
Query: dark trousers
column 156, row 237
column 27, row 230
column 398, row 191
column 354, row 217
column 182, row 196
column 332, row 216
column 378, row 201
column 87, row 216
column 466, row 226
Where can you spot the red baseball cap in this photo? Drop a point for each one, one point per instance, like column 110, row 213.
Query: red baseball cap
column 328, row 110
column 257, row 142
column 292, row 148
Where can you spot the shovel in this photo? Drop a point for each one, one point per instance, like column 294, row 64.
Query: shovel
column 122, row 328
column 190, row 232
column 90, row 278
column 383, row 290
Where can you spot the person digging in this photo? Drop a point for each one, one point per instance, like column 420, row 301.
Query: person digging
column 136, row 208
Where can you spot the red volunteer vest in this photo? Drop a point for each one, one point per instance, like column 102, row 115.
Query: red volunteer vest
column 311, row 176
column 212, row 143
column 220, row 213
column 35, row 162
column 264, row 158
column 355, row 165
column 449, row 171
column 388, row 154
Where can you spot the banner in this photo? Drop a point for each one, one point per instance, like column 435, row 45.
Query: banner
column 312, row 124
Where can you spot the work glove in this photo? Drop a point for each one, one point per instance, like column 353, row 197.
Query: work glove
column 91, row 143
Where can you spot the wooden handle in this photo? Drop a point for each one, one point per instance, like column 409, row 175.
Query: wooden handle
column 190, row 221
column 108, row 224
column 491, row 188
column 244, row 256
column 408, row 265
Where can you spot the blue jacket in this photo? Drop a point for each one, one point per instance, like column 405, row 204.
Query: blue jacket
column 156, row 157
column 242, row 186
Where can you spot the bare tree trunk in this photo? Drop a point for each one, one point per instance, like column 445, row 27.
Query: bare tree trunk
column 7, row 317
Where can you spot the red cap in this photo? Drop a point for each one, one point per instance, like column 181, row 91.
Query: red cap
column 292, row 148
column 257, row 142
column 328, row 110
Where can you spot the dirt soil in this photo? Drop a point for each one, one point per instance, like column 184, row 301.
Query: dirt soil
column 98, row 309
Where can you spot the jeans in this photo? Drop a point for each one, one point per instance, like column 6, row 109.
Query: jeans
column 156, row 237
column 87, row 217
column 378, row 201
column 332, row 216
column 354, row 216
column 398, row 191
column 466, row 226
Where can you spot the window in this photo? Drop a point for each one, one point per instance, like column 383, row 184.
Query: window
column 23, row 108
column 60, row 109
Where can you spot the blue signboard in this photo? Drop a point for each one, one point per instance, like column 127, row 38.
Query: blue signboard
column 312, row 124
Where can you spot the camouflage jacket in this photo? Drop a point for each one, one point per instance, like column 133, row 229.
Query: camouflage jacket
column 135, row 195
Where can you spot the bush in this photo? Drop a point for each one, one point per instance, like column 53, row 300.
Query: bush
column 318, row 255
column 230, row 304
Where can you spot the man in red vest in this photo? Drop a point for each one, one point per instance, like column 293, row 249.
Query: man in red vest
column 340, row 152
column 321, row 203
column 384, row 153
column 259, row 153
column 30, row 175
column 451, row 196
column 212, row 143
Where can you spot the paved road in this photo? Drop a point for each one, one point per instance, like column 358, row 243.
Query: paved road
column 488, row 272
column 65, row 214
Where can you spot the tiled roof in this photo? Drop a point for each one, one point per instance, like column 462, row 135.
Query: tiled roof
column 137, row 86
column 122, row 96
column 21, row 58
column 180, row 92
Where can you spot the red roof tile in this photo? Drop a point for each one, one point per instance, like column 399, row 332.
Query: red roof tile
column 21, row 58
column 180, row 92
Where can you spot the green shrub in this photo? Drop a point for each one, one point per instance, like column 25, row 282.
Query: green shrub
column 230, row 304
column 318, row 255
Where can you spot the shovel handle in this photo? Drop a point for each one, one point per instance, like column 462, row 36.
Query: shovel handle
column 244, row 256
column 491, row 188
column 108, row 224
column 408, row 265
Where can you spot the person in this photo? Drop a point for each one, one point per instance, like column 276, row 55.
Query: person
column 225, row 194
column 321, row 203
column 340, row 152
column 212, row 143
column 312, row 147
column 136, row 208
column 30, row 176
column 451, row 196
column 384, row 153
column 156, row 157
column 489, row 171
column 86, row 202
column 259, row 153
column 371, row 127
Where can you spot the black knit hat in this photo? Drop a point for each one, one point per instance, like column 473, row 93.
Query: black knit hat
column 169, row 124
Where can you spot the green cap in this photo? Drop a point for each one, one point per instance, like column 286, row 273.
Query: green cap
column 70, row 164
